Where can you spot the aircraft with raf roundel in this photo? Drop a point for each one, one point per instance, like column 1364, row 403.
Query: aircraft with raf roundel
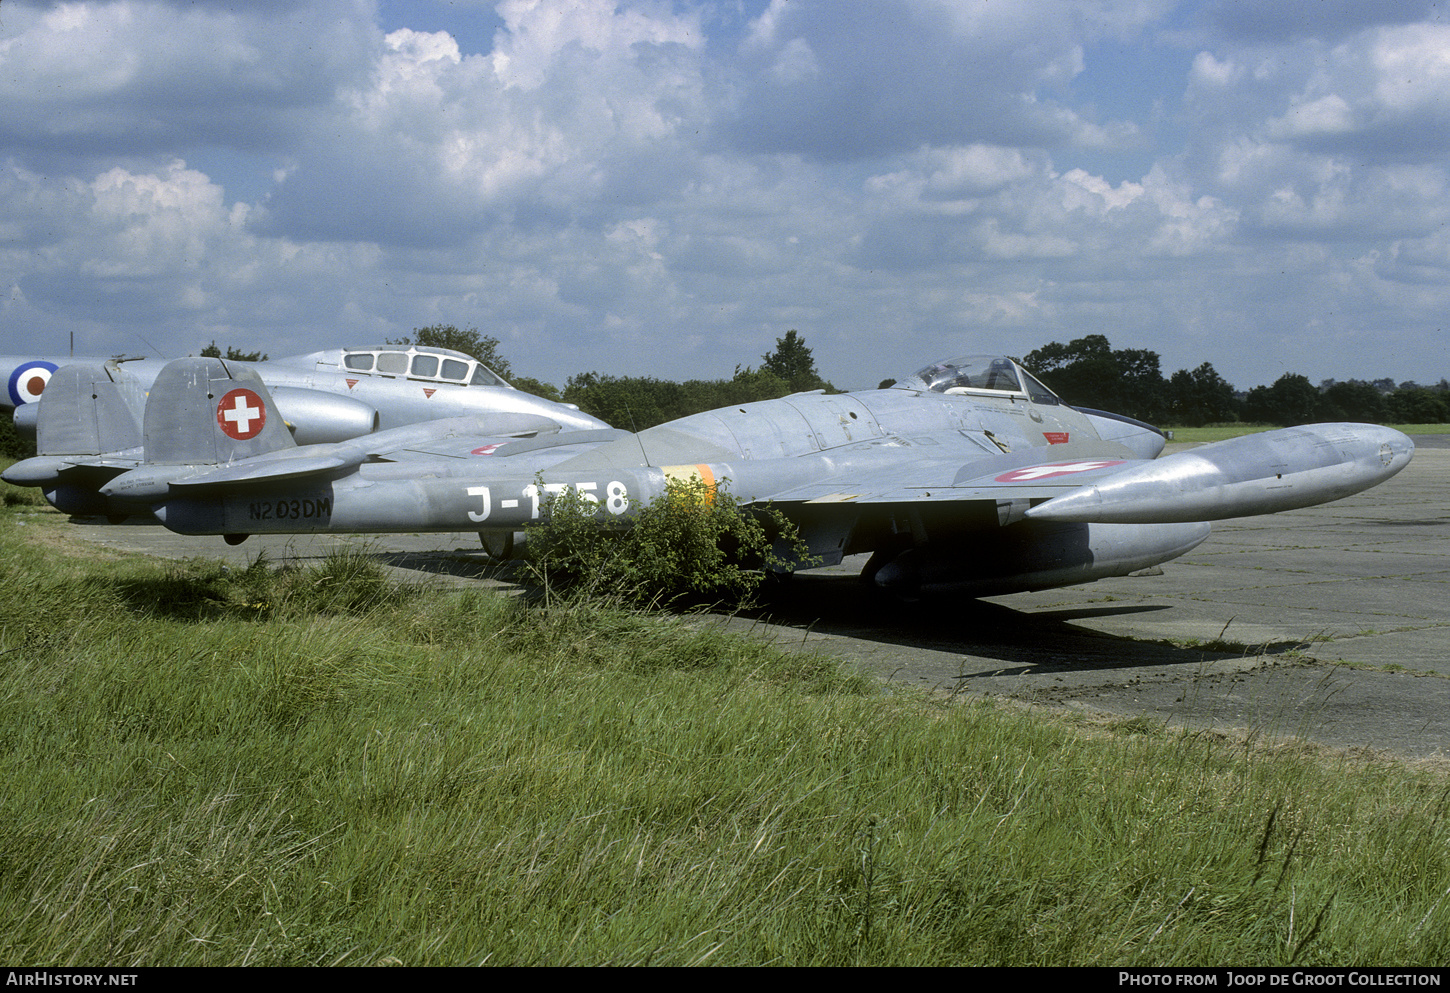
column 87, row 414
column 969, row 475
column 335, row 394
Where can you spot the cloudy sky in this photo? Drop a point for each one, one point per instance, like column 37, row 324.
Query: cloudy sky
column 665, row 188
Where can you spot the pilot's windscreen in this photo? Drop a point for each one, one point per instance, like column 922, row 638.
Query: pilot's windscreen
column 483, row 377
column 1037, row 392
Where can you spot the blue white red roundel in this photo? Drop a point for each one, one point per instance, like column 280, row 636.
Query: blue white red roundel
column 28, row 381
column 1034, row 473
column 241, row 415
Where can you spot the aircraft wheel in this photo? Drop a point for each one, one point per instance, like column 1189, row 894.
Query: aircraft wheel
column 235, row 539
column 500, row 545
column 883, row 556
column 891, row 572
column 873, row 565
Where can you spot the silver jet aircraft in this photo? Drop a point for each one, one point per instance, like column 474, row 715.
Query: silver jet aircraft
column 969, row 475
column 86, row 414
column 335, row 394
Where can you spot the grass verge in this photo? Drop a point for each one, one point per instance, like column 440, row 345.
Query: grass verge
column 1223, row 432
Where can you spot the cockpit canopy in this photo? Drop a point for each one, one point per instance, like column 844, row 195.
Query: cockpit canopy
column 439, row 365
column 979, row 374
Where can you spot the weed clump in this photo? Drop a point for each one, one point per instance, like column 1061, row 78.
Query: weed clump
column 693, row 545
column 345, row 582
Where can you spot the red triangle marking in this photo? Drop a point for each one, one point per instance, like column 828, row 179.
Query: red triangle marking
column 351, row 383
column 427, row 392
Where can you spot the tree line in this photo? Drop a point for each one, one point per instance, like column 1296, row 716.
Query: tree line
column 1086, row 372
column 638, row 402
column 1089, row 372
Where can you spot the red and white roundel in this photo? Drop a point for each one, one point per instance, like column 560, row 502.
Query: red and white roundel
column 487, row 449
column 1035, row 473
column 241, row 415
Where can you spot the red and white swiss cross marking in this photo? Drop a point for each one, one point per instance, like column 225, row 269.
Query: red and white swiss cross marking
column 241, row 415
column 487, row 449
column 1034, row 473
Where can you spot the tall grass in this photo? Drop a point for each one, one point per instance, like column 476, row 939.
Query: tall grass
column 262, row 766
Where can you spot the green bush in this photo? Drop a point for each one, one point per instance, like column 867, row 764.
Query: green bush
column 693, row 544
column 12, row 446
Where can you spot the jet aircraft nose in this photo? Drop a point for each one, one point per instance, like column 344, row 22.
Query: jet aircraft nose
column 1396, row 448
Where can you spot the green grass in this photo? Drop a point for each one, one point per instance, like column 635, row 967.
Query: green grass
column 202, row 766
column 1222, row 432
column 1422, row 428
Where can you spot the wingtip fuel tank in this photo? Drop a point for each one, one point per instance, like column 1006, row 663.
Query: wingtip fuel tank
column 1256, row 474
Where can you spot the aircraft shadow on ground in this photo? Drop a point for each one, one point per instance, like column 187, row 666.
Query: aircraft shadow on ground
column 94, row 521
column 1039, row 642
column 1043, row 642
column 464, row 563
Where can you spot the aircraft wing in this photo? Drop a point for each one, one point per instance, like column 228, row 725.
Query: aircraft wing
column 463, row 445
column 293, row 463
column 1023, row 476
column 1256, row 474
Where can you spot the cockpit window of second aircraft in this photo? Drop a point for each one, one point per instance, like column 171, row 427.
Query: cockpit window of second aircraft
column 438, row 365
